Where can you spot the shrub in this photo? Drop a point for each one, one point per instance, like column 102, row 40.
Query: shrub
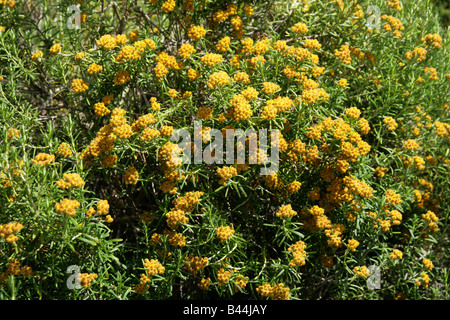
column 98, row 202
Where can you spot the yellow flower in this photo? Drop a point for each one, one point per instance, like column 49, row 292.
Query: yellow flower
column 94, row 68
column 210, row 59
column 219, row 78
column 196, row 32
column 186, row 50
column 224, row 44
column 54, row 49
column 352, row 244
column 361, row 271
column 300, row 28
column 410, row 144
column 168, row 6
column 392, row 124
column 392, row 197
column 428, row 263
column 224, row 233
column 286, row 211
column 353, row 112
column 107, row 42
column 43, row 159
column 223, row 276
column 67, row 206
column 121, row 77
column 342, row 83
column 36, row 55
column 130, row 176
column 396, row 254
column 79, row 85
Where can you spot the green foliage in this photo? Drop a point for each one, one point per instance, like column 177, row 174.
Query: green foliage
column 87, row 117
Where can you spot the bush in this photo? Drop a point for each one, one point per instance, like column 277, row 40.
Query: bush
column 343, row 191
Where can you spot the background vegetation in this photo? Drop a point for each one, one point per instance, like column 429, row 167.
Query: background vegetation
column 89, row 194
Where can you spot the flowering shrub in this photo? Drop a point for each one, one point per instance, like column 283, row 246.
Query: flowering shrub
column 94, row 174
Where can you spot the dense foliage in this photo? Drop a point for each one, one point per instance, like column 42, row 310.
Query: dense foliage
column 94, row 205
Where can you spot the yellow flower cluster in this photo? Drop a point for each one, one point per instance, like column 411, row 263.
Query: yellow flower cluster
column 175, row 217
column 70, row 180
column 226, row 173
column 79, row 56
column 121, row 77
column 239, row 282
column 442, row 128
column 432, row 218
column 103, row 207
column 394, row 4
column 224, row 233
column 224, row 44
column 37, row 55
column 311, row 96
column 223, row 276
column 222, row 15
column 343, row 54
column 79, row 85
column 392, row 124
column 86, row 279
column 129, row 52
column 211, row 59
column 168, row 6
column 352, row 244
column 277, row 292
column 204, row 283
column 175, row 238
column 100, row 109
column 424, row 281
column 13, row 269
column 358, row 187
column 130, row 175
column 293, row 187
column 219, row 78
column 204, row 113
column 194, row 263
column 168, row 61
column 67, row 206
column 149, row 134
column 64, row 150
column 392, row 197
column 8, row 230
column 361, row 271
column 420, row 52
column 396, row 254
column 196, row 32
column 107, row 41
column 186, row 50
column 353, row 112
column 285, row 211
column 410, row 144
column 54, row 49
column 43, row 159
column 188, row 201
column 299, row 27
column 153, row 267
column 94, row 68
column 334, row 234
column 427, row 263
column 270, row 88
column 393, row 25
column 435, row 40
column 299, row 254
